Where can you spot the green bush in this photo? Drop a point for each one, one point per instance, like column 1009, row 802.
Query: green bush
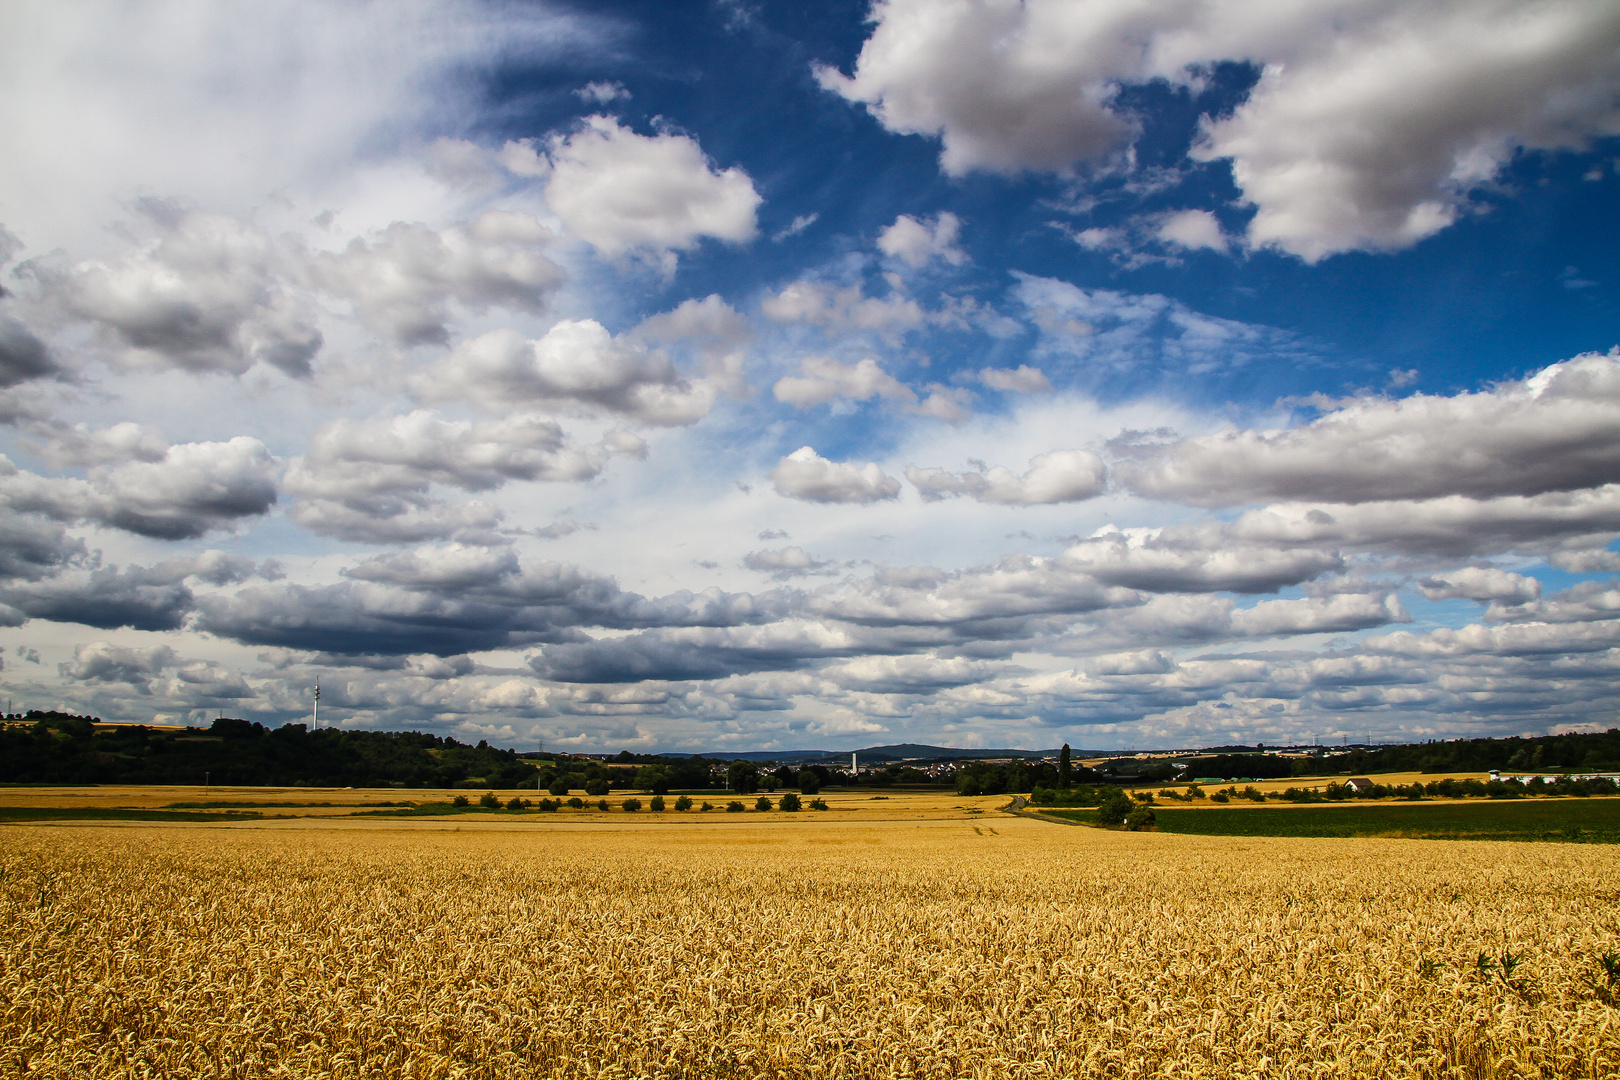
column 1219, row 796
column 459, row 800
column 549, row 805
column 515, row 803
column 1140, row 818
column 602, row 804
column 707, row 806
column 683, row 803
column 657, row 804
column 790, row 803
column 631, row 805
column 489, row 801
column 762, row 803
column 818, row 804
column 1114, row 809
column 577, row 803
column 735, row 807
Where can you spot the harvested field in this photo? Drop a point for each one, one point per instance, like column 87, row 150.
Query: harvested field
column 795, row 946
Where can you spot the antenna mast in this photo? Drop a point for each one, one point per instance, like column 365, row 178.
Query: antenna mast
column 317, row 722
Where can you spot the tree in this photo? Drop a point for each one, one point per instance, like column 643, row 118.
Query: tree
column 742, row 777
column 489, row 801
column 809, row 782
column 632, row 805
column 762, row 804
column 653, row 778
column 1065, row 769
column 790, row 803
column 558, row 786
column 657, row 804
column 1114, row 809
column 683, row 803
column 597, row 787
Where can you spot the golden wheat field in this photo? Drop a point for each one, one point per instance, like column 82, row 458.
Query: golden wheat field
column 810, row 946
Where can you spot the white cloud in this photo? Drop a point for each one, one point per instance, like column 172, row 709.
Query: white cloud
column 1558, row 430
column 619, row 191
column 1116, row 333
column 1020, row 380
column 207, row 293
column 785, row 562
column 1367, row 127
column 1054, row 477
column 101, row 102
column 602, row 93
column 576, row 364
column 825, row 379
column 1192, row 229
column 916, row 243
column 805, row 474
column 841, row 309
column 194, row 488
column 1484, row 583
column 401, row 280
column 372, row 480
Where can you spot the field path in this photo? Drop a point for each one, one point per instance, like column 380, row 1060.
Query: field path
column 1017, row 808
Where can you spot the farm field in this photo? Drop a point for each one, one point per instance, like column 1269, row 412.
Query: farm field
column 1594, row 820
column 914, row 942
column 145, row 802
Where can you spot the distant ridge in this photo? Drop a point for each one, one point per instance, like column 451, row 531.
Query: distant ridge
column 874, row 754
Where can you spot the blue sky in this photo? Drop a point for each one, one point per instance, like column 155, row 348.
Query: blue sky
column 733, row 376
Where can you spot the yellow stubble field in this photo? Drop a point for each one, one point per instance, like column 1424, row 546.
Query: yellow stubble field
column 881, row 941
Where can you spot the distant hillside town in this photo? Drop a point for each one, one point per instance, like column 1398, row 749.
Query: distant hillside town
column 55, row 748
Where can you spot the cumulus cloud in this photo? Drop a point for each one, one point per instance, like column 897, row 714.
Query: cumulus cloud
column 786, row 562
column 805, row 474
column 1484, row 583
column 208, row 293
column 1558, row 430
column 103, row 661
column 602, row 93
column 455, row 599
column 401, row 280
column 372, row 479
column 194, row 488
column 1189, row 560
column 139, row 597
column 1022, row 379
column 1367, row 127
column 1054, row 477
column 916, row 243
column 577, row 364
column 824, row 379
column 1192, row 229
column 619, row 191
column 842, row 309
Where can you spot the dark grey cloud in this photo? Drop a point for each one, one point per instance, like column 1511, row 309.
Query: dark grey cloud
column 23, row 357
column 108, row 598
column 460, row 598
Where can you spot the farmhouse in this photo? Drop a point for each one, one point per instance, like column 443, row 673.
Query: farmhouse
column 1359, row 783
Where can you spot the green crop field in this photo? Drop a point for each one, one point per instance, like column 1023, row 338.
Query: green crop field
column 1591, row 821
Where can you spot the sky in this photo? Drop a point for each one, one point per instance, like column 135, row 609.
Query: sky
column 731, row 375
